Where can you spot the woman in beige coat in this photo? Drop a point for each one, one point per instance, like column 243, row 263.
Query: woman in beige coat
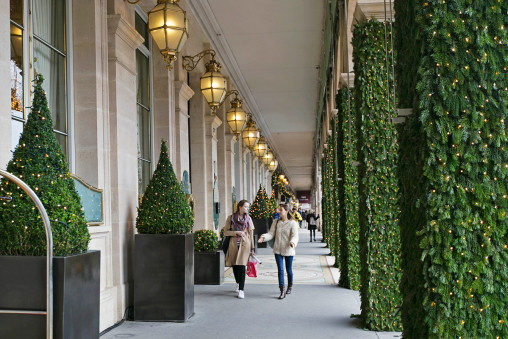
column 285, row 232
column 240, row 228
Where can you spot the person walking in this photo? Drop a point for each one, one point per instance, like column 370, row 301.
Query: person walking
column 297, row 216
column 285, row 234
column 240, row 228
column 312, row 223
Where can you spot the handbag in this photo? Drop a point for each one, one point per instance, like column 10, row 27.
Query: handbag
column 225, row 241
column 271, row 242
column 251, row 268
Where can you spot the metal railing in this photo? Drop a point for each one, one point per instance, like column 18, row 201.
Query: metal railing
column 49, row 257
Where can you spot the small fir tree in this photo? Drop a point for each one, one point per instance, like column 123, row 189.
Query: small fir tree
column 259, row 208
column 273, row 202
column 39, row 161
column 205, row 241
column 164, row 208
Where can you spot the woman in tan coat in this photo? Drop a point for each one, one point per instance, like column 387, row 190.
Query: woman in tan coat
column 285, row 234
column 240, row 228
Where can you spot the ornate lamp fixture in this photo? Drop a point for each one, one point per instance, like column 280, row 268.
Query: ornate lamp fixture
column 273, row 165
column 236, row 116
column 267, row 158
column 261, row 147
column 167, row 24
column 213, row 83
column 250, row 134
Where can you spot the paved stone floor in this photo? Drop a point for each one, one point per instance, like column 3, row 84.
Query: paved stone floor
column 317, row 308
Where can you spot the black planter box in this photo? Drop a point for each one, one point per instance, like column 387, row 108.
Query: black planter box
column 163, row 277
column 208, row 268
column 76, row 296
column 261, row 226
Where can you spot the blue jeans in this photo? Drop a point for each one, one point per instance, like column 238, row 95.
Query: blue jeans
column 280, row 268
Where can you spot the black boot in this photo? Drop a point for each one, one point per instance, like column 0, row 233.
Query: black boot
column 282, row 292
column 290, row 287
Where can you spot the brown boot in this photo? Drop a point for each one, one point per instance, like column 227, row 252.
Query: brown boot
column 282, row 292
column 290, row 286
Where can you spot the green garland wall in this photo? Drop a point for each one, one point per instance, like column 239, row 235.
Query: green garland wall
column 348, row 194
column 334, row 218
column 325, row 199
column 461, row 95
column 336, row 183
column 378, row 184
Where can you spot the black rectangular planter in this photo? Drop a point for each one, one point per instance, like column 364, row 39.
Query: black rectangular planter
column 261, row 226
column 208, row 268
column 76, row 296
column 163, row 277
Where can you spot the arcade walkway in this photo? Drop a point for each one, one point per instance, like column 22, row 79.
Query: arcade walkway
column 317, row 308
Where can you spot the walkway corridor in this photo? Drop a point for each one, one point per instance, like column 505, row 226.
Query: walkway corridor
column 317, row 308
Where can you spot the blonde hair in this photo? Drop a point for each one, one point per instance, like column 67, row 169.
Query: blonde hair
column 311, row 211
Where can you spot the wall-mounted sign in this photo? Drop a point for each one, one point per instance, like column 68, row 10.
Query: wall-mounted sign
column 303, row 197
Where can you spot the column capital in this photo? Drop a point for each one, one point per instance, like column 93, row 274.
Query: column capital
column 366, row 9
column 119, row 26
column 211, row 124
column 181, row 88
column 343, row 82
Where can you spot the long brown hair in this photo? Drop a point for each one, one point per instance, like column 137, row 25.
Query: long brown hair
column 240, row 204
column 286, row 207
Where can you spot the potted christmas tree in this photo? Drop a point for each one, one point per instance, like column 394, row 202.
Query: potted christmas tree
column 208, row 262
column 39, row 161
column 164, row 249
column 261, row 215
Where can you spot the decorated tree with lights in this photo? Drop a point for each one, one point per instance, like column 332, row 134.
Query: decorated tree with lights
column 454, row 221
column 259, row 208
column 273, row 202
column 39, row 161
column 164, row 208
column 377, row 148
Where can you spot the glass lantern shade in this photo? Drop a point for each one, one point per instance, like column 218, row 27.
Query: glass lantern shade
column 267, row 158
column 236, row 117
column 261, row 147
column 273, row 165
column 167, row 23
column 250, row 135
column 213, row 85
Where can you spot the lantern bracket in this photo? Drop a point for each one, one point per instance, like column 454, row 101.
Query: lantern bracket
column 190, row 62
column 136, row 1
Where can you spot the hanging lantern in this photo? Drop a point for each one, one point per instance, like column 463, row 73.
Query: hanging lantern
column 261, row 147
column 267, row 157
column 236, row 117
column 167, row 24
column 250, row 134
column 273, row 165
column 213, row 85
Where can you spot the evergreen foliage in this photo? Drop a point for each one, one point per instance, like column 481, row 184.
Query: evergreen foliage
column 334, row 186
column 39, row 161
column 461, row 226
column 164, row 208
column 327, row 198
column 348, row 193
column 259, row 208
column 205, row 241
column 273, row 202
column 378, row 184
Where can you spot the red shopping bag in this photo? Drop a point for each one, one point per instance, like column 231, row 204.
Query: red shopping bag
column 252, row 270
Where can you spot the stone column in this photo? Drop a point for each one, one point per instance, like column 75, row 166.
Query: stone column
column 246, row 194
column 5, row 88
column 183, row 93
column 230, row 172
column 92, row 144
column 163, row 110
column 123, row 42
column 200, row 167
column 212, row 122
column 222, row 165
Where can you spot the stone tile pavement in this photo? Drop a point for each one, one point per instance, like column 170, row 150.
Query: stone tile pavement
column 317, row 308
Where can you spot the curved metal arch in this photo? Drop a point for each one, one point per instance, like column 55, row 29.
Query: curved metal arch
column 49, row 256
